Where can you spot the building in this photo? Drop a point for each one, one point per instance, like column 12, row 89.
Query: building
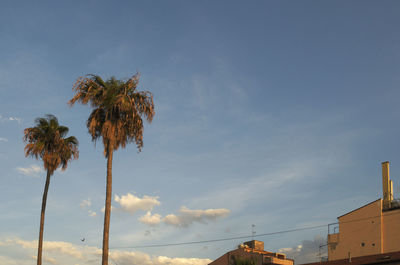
column 371, row 230
column 253, row 250
column 392, row 258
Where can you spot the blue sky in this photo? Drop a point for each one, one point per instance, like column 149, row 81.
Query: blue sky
column 273, row 113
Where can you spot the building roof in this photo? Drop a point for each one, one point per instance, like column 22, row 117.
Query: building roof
column 385, row 258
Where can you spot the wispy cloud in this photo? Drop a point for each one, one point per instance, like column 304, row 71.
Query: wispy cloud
column 306, row 252
column 92, row 213
column 247, row 190
column 3, row 139
column 131, row 203
column 47, row 260
column 10, row 119
column 187, row 217
column 85, row 203
column 32, row 170
column 19, row 120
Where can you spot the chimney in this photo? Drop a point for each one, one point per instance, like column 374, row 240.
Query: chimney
column 387, row 186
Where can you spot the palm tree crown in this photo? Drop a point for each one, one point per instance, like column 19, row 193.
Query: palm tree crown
column 118, row 109
column 47, row 141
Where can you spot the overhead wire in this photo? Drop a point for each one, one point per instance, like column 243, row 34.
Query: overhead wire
column 223, row 239
column 248, row 236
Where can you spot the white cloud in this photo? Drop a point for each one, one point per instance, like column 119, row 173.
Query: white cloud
column 181, row 261
column 32, row 170
column 131, row 258
column 47, row 260
column 58, row 252
column 85, row 203
column 3, row 139
column 131, row 203
column 150, row 219
column 14, row 261
column 186, row 216
column 53, row 247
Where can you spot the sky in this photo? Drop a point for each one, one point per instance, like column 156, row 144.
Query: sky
column 275, row 114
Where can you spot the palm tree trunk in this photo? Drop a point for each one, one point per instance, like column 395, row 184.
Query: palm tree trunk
column 107, row 209
column 44, row 199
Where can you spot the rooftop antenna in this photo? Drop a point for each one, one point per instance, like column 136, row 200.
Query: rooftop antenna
column 253, row 231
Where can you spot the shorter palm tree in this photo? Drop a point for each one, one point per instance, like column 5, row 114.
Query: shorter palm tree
column 47, row 141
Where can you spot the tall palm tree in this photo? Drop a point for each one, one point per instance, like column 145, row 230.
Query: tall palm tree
column 116, row 117
column 47, row 141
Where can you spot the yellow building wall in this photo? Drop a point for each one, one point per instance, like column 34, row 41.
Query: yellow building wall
column 360, row 233
column 391, row 230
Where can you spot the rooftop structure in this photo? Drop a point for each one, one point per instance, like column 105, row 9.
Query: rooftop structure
column 253, row 250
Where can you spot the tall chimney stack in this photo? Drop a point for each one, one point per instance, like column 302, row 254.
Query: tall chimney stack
column 387, row 186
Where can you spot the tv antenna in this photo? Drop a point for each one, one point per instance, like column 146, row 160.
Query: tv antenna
column 253, row 231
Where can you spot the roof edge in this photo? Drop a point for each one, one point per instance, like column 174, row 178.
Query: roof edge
column 359, row 208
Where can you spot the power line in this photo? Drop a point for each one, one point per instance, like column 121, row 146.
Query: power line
column 223, row 239
column 248, row 236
